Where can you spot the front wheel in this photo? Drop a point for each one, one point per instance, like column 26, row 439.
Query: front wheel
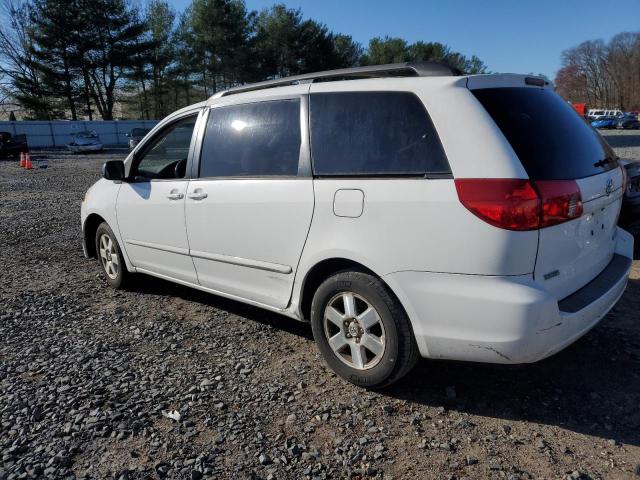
column 110, row 257
column 361, row 330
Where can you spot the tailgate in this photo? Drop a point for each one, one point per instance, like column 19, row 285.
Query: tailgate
column 572, row 254
column 553, row 143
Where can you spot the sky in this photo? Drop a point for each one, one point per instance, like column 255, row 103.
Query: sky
column 517, row 36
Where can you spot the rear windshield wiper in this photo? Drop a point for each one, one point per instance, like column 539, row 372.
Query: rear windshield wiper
column 604, row 161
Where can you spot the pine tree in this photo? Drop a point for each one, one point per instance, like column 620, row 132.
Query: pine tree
column 54, row 25
column 111, row 50
column 160, row 18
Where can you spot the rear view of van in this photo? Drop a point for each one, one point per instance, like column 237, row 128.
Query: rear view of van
column 576, row 177
column 503, row 245
column 570, row 196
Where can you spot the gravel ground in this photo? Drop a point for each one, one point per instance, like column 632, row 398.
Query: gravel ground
column 161, row 381
column 625, row 142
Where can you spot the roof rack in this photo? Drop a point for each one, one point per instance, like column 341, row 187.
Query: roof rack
column 406, row 69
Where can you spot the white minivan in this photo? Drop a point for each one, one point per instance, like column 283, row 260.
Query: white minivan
column 403, row 210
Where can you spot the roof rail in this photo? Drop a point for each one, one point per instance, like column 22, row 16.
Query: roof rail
column 406, row 69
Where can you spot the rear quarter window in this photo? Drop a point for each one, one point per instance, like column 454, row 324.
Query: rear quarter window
column 373, row 133
column 552, row 141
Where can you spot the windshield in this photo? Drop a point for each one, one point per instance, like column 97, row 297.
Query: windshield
column 551, row 140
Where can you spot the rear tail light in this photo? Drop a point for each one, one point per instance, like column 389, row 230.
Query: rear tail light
column 561, row 201
column 516, row 204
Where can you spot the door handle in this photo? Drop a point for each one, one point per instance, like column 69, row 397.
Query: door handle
column 198, row 194
column 175, row 196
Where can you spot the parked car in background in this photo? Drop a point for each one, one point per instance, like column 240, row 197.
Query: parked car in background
column 135, row 135
column 85, row 141
column 409, row 213
column 630, row 212
column 628, row 121
column 594, row 114
column 605, row 123
column 11, row 146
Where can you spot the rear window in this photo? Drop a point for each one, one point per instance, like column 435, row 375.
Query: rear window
column 551, row 140
column 373, row 133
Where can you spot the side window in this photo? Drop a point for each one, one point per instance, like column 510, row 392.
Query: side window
column 373, row 133
column 254, row 139
column 166, row 154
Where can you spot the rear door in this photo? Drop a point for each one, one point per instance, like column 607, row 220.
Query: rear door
column 554, row 143
column 248, row 212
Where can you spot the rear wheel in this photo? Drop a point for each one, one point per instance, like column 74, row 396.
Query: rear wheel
column 110, row 257
column 361, row 330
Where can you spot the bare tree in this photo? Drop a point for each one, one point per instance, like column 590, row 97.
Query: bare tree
column 603, row 74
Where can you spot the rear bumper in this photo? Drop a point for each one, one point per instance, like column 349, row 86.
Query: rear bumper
column 505, row 319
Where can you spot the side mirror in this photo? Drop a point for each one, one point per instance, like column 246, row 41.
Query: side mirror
column 127, row 135
column 113, row 170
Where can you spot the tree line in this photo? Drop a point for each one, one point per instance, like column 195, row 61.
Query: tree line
column 94, row 59
column 603, row 74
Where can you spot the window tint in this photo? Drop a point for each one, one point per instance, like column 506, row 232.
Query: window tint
column 254, row 139
column 551, row 140
column 373, row 133
column 166, row 156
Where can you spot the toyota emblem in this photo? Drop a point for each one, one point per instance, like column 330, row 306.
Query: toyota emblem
column 609, row 188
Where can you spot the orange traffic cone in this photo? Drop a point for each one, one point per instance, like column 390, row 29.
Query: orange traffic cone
column 28, row 165
column 22, row 159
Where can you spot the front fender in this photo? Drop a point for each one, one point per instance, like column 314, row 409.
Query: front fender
column 100, row 200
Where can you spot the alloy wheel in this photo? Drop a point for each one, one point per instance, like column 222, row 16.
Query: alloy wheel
column 109, row 256
column 354, row 330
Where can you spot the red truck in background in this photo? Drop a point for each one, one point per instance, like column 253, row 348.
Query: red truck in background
column 581, row 108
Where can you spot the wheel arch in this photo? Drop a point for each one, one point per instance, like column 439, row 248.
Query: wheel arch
column 89, row 229
column 322, row 270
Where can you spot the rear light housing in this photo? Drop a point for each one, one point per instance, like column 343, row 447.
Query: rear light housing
column 521, row 205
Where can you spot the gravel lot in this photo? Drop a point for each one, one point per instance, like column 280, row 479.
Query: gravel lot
column 90, row 378
column 625, row 142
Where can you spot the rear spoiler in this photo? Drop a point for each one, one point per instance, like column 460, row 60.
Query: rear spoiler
column 506, row 80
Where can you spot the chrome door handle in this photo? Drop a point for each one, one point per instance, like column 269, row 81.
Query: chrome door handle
column 175, row 196
column 198, row 194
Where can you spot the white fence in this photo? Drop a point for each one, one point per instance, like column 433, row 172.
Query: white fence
column 41, row 134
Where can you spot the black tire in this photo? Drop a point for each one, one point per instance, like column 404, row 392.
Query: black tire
column 117, row 278
column 400, row 352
